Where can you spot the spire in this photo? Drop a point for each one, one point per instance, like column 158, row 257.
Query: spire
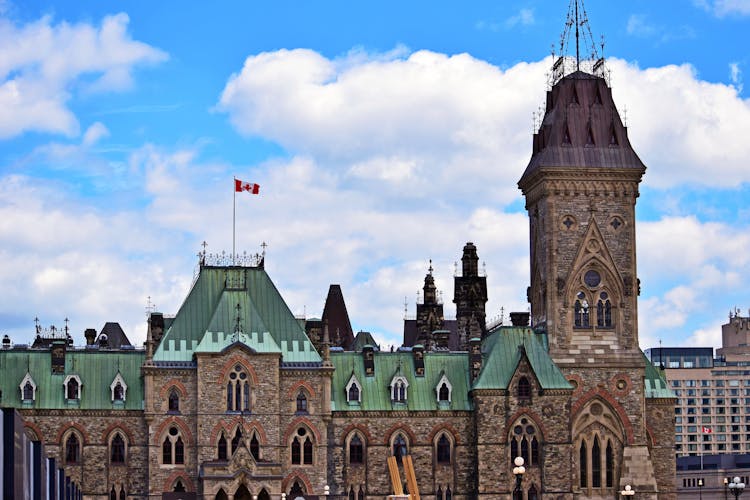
column 588, row 58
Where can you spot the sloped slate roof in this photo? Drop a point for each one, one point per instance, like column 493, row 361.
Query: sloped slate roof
column 581, row 128
column 96, row 370
column 208, row 317
column 421, row 395
column 655, row 384
column 116, row 338
column 501, row 354
column 362, row 339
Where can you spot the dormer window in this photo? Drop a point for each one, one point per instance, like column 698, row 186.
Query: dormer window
column 118, row 388
column 72, row 387
column 353, row 390
column 444, row 390
column 399, row 385
column 28, row 389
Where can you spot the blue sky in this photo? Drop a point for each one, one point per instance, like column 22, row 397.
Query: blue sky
column 383, row 134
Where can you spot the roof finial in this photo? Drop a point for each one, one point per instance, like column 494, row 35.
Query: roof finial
column 591, row 62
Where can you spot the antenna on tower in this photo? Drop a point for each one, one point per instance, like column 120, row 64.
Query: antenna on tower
column 577, row 22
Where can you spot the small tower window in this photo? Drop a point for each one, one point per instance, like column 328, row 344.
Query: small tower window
column 443, row 450
column 524, row 388
column 72, row 387
column 399, row 386
column 118, row 388
column 302, row 448
column 28, row 391
column 72, row 450
column 174, row 401
column 255, row 447
column 117, row 449
column 444, row 390
column 237, row 440
column 222, row 448
column 118, row 392
column 238, row 390
column 301, row 402
column 581, row 311
column 604, row 311
column 172, row 448
column 353, row 390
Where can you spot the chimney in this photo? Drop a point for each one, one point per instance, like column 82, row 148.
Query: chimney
column 519, row 318
column 418, row 353
column 90, row 335
column 369, row 359
column 6, row 342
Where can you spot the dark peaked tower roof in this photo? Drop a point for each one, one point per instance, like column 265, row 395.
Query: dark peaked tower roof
column 581, row 128
column 334, row 311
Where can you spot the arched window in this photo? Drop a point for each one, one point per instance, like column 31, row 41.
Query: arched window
column 524, row 388
column 72, row 387
column 222, row 448
column 112, row 493
column 255, row 447
column 72, row 449
column 533, row 495
column 582, row 311
column 237, row 440
column 400, row 449
column 174, row 400
column 361, row 493
column 117, row 450
column 178, row 487
column 524, row 443
column 596, row 464
column 398, row 389
column 443, row 451
column 28, row 391
column 351, row 493
column 302, row 447
column 448, row 493
column 119, row 392
column 123, row 496
column 439, row 493
column 238, row 390
column 301, row 402
column 604, row 311
column 443, row 394
column 353, row 393
column 356, row 450
column 172, row 448
column 583, row 464
column 610, row 465
column 296, row 491
column 222, row 495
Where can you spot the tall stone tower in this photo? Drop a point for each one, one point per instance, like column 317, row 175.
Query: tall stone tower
column 581, row 186
column 430, row 318
column 470, row 297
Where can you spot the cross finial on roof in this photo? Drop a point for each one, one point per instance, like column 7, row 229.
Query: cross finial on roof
column 150, row 306
column 264, row 245
column 430, row 268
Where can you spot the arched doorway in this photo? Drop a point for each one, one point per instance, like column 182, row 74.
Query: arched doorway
column 242, row 493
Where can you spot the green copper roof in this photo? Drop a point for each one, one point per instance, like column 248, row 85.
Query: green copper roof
column 655, row 383
column 501, row 354
column 421, row 392
column 210, row 316
column 96, row 370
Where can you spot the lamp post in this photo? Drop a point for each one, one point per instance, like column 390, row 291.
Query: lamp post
column 700, row 488
column 628, row 491
column 736, row 487
column 726, row 484
column 519, row 470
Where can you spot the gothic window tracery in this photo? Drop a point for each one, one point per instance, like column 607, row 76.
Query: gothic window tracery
column 238, row 390
column 117, row 449
column 173, row 448
column 599, row 449
column 524, row 442
column 353, row 390
column 399, row 386
column 302, row 447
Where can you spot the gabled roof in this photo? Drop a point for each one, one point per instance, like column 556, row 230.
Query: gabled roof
column 96, row 370
column 362, row 339
column 501, row 355
column 421, row 395
column 229, row 299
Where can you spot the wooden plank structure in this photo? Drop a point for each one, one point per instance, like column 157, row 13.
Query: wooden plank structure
column 411, row 478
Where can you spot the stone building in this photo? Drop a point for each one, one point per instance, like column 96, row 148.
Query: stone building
column 234, row 398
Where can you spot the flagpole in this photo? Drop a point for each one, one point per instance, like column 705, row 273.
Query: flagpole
column 234, row 210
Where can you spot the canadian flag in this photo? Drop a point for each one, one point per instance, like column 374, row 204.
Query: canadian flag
column 240, row 186
column 706, row 430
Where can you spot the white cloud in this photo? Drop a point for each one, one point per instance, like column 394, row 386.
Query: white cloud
column 722, row 8
column 735, row 75
column 94, row 133
column 638, row 26
column 42, row 64
column 525, row 17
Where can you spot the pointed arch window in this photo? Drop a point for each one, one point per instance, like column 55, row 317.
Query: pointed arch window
column 118, row 388
column 237, row 440
column 596, row 464
column 399, row 386
column 533, row 495
column 443, row 450
column 353, row 390
column 356, row 450
column 238, row 390
column 609, row 465
column 222, row 448
column 28, row 388
column 583, row 465
column 72, row 449
column 117, row 450
column 112, row 493
column 524, row 388
column 351, row 493
column 255, row 447
column 174, row 400
column 301, row 402
column 72, row 385
column 581, row 310
column 172, row 447
column 444, row 390
column 178, row 487
column 400, row 448
column 604, row 310
column 302, row 448
column 524, row 442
